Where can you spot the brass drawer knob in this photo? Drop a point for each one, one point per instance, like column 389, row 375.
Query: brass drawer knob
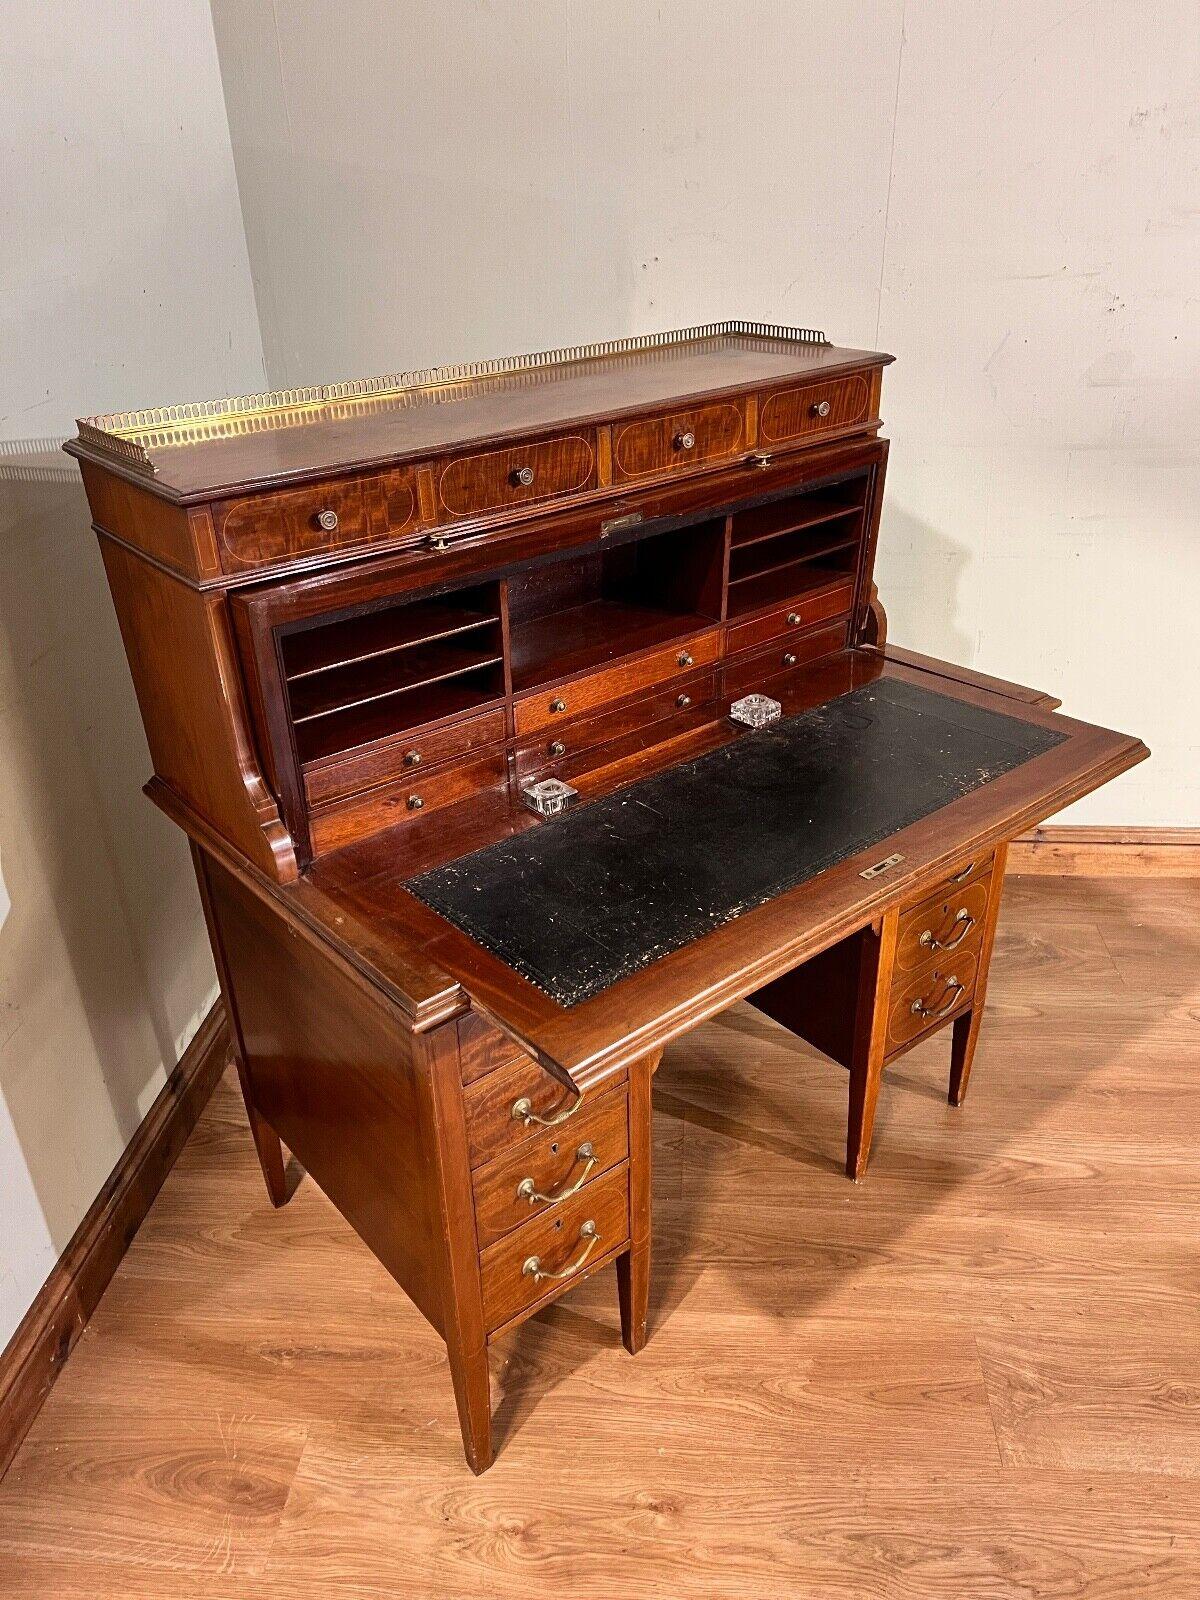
column 556, row 748
column 327, row 521
column 789, row 658
column 557, row 706
column 684, row 701
column 954, row 990
column 793, row 619
column 415, row 803
column 685, row 658
column 527, row 1190
column 761, row 459
column 821, row 408
column 588, row 1237
column 412, row 758
column 684, row 440
column 521, row 477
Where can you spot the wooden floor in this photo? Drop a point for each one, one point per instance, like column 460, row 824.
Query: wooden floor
column 976, row 1375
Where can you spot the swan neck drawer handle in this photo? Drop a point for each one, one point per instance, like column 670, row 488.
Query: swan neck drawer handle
column 589, row 1237
column 527, row 1191
column 932, row 941
column 522, row 1111
column 954, row 991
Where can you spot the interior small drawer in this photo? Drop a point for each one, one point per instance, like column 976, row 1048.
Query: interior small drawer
column 935, row 929
column 931, row 996
column 553, row 705
column 337, row 824
column 587, row 733
column 551, row 1253
column 547, row 1171
column 410, row 756
column 792, row 616
column 676, row 440
column 745, row 674
column 814, row 408
column 498, row 479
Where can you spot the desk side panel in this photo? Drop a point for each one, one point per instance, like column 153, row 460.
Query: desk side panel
column 340, row 1079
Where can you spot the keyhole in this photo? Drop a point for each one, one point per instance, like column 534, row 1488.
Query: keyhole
column 558, row 1224
column 554, row 1148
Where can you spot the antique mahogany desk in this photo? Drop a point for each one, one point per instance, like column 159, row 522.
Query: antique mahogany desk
column 360, row 619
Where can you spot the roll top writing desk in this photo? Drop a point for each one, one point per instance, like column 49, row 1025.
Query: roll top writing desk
column 363, row 620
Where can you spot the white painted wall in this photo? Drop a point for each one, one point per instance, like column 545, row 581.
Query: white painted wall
column 124, row 281
column 1003, row 196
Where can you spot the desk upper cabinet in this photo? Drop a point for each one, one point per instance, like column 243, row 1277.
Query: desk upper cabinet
column 362, row 620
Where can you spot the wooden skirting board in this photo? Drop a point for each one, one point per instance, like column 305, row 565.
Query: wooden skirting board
column 35, row 1354
column 1108, row 852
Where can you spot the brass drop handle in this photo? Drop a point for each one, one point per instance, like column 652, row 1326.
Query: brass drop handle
column 685, row 658
column 526, row 1190
column 327, row 521
column 954, row 990
column 521, row 477
column 412, row 758
column 556, row 748
column 589, row 1237
column 683, row 701
column 684, row 440
column 558, row 705
column 789, row 658
column 931, row 941
column 415, row 802
column 793, row 619
column 966, row 872
column 821, row 408
column 522, row 1111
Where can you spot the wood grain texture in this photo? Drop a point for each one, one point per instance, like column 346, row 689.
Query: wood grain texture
column 974, row 1376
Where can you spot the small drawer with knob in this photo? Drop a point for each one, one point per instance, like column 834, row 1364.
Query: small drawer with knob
column 557, row 704
column 338, row 823
column 556, row 1250
column 409, row 756
column 791, row 617
column 550, row 1168
column 468, row 486
column 517, row 1103
column 745, row 674
column 576, row 743
column 814, row 408
column 262, row 528
column 676, row 441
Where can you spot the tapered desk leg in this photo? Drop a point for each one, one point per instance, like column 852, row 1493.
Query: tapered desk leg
column 633, row 1268
column 870, row 1036
column 966, row 1027
column 472, row 1395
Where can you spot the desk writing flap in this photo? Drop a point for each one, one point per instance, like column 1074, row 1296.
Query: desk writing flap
column 612, row 888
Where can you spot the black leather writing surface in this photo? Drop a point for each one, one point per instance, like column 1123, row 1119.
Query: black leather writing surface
column 605, row 889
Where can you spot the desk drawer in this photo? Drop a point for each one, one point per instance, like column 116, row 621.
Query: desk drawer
column 793, row 616
column 588, row 733
column 556, row 704
column 499, row 479
column 676, row 441
column 939, row 927
column 410, row 756
column 337, row 824
column 970, row 872
column 940, row 991
column 492, row 1127
column 749, row 673
column 271, row 527
column 567, row 1240
column 548, row 1170
column 813, row 409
